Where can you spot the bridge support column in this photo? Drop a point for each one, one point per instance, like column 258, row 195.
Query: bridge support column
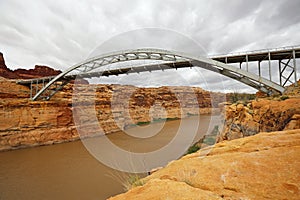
column 280, row 77
column 31, row 89
column 295, row 67
column 37, row 86
column 247, row 63
column 259, row 70
column 270, row 71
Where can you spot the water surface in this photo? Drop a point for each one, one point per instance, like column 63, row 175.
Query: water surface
column 69, row 171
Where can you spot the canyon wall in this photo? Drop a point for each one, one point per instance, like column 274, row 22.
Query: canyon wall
column 25, row 123
column 38, row 71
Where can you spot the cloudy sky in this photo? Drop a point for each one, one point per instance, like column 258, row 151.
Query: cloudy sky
column 62, row 33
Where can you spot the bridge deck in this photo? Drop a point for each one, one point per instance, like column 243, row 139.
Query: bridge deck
column 275, row 54
column 115, row 72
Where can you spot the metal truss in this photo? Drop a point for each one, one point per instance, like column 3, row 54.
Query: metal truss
column 169, row 60
column 284, row 66
column 286, row 57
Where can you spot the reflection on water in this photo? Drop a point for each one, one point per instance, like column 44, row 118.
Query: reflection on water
column 68, row 171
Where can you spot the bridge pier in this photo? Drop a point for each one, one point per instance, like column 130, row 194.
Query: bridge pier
column 295, row 67
column 270, row 71
column 30, row 89
column 259, row 69
column 247, row 67
column 279, row 68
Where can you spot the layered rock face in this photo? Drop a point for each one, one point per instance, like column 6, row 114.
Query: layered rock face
column 38, row 71
column 118, row 107
column 264, row 166
column 260, row 116
column 25, row 123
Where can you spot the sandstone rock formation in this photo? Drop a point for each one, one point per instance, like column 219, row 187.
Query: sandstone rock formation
column 264, row 166
column 294, row 123
column 293, row 90
column 261, row 115
column 38, row 71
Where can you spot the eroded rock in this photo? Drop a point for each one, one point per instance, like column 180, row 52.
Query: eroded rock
column 260, row 116
column 264, row 166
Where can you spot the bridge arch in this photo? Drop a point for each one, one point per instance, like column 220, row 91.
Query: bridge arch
column 171, row 58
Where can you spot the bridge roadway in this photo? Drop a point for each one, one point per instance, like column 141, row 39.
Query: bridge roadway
column 46, row 87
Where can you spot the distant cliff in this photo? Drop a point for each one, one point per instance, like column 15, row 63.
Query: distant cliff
column 38, row 71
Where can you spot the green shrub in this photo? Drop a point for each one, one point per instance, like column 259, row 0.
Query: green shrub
column 282, row 98
column 192, row 149
column 142, row 123
column 133, row 180
column 172, row 118
column 240, row 97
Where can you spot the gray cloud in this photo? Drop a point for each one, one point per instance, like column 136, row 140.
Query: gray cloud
column 65, row 32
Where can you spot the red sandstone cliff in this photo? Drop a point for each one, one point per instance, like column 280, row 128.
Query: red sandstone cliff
column 38, row 71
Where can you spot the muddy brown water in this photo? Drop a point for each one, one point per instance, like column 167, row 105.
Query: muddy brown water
column 69, row 171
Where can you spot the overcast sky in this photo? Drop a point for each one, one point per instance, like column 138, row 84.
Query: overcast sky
column 62, row 33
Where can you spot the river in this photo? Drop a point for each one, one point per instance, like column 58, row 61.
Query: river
column 69, row 171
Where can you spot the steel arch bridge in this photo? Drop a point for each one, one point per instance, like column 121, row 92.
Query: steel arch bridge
column 45, row 88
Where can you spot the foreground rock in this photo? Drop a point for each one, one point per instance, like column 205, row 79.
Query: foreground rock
column 264, row 166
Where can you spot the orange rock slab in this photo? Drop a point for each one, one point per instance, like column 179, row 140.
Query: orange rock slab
column 264, row 166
